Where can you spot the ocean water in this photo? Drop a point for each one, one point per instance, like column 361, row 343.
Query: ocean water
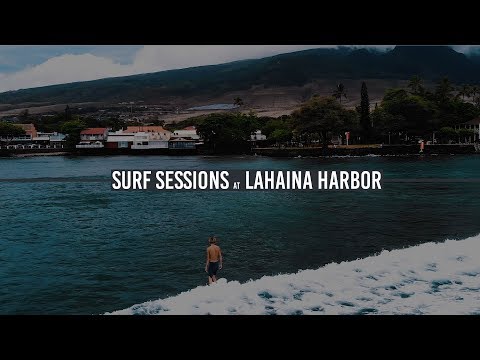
column 74, row 246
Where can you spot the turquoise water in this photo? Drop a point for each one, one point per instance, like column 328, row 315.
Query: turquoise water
column 77, row 247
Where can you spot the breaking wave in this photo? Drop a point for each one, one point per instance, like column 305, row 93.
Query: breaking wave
column 432, row 278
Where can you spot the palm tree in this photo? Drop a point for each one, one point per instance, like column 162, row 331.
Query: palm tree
column 444, row 89
column 237, row 101
column 474, row 90
column 339, row 92
column 416, row 85
column 464, row 90
column 477, row 102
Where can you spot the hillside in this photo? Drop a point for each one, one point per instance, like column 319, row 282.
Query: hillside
column 286, row 79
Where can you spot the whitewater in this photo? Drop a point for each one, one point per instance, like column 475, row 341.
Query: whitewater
column 432, row 278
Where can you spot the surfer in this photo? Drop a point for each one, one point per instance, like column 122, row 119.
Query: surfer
column 214, row 260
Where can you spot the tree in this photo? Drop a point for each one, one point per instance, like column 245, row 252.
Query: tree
column 9, row 130
column 72, row 129
column 387, row 126
column 340, row 92
column 447, row 133
column 444, row 89
column 238, row 101
column 464, row 90
column 464, row 134
column 455, row 112
column 227, row 132
column 23, row 116
column 281, row 135
column 68, row 113
column 322, row 116
column 277, row 124
column 417, row 114
column 116, row 124
column 474, row 90
column 416, row 85
column 365, row 113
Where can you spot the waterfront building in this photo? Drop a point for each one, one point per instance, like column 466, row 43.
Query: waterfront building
column 120, row 140
column 164, row 133
column 189, row 132
column 94, row 134
column 473, row 125
column 150, row 140
column 92, row 138
column 181, row 143
column 258, row 136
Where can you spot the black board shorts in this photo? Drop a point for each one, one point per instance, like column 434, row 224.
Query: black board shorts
column 212, row 268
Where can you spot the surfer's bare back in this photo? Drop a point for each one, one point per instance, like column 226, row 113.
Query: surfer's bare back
column 214, row 260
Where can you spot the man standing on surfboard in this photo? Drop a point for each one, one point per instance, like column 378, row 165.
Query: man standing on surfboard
column 214, row 260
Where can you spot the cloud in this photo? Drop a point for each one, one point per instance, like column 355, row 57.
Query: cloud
column 165, row 57
column 100, row 62
column 63, row 69
column 467, row 49
column 18, row 57
column 83, row 67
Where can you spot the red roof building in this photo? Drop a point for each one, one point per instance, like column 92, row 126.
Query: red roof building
column 93, row 131
column 94, row 134
column 149, row 128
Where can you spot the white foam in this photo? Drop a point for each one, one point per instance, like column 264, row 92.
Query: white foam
column 432, row 278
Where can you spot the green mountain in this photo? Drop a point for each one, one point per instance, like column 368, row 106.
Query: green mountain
column 292, row 69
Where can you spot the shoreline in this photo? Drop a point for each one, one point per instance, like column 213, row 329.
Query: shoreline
column 63, row 153
column 305, row 152
column 373, row 150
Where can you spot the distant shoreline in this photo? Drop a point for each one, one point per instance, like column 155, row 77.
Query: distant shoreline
column 41, row 154
column 379, row 150
column 339, row 151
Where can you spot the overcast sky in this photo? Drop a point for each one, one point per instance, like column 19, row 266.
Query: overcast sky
column 31, row 66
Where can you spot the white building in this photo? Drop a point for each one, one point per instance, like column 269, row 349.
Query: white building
column 258, row 136
column 190, row 132
column 150, row 140
column 119, row 140
column 181, row 143
column 473, row 125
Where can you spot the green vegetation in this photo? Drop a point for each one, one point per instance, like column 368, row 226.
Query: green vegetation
column 416, row 85
column 339, row 93
column 403, row 116
column 73, row 128
column 10, row 130
column 320, row 118
column 365, row 123
column 276, row 129
column 227, row 132
column 420, row 112
column 237, row 101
